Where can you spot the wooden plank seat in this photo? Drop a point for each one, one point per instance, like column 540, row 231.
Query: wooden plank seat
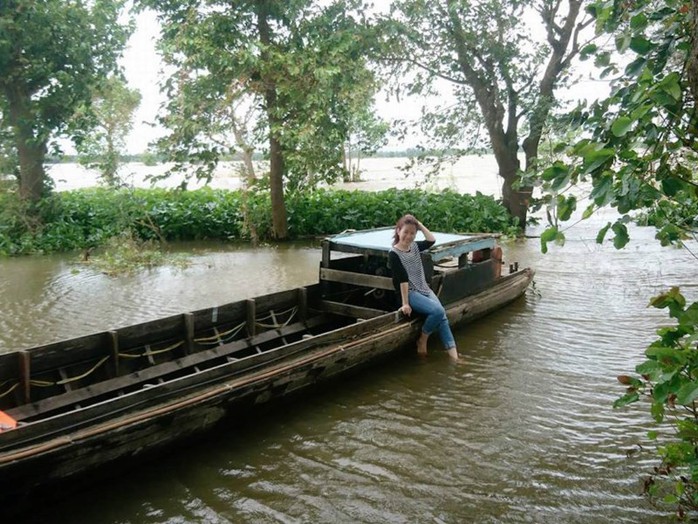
column 159, row 371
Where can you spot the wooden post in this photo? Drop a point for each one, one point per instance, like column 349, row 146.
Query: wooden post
column 302, row 304
column 114, row 343
column 25, row 375
column 251, row 318
column 188, row 333
column 325, row 253
column 325, row 264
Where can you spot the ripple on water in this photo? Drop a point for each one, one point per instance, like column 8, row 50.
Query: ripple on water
column 523, row 431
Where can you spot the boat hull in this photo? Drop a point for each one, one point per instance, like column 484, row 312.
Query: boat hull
column 111, row 436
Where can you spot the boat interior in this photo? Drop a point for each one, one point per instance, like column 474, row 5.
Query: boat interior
column 201, row 346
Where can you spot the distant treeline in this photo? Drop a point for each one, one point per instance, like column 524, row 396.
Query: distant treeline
column 149, row 158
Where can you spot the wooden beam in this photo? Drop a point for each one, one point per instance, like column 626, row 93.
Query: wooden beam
column 348, row 310
column 114, row 347
column 188, row 319
column 357, row 279
column 251, row 318
column 302, row 303
column 25, row 374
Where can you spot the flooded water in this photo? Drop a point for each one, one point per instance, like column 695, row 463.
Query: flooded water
column 522, row 432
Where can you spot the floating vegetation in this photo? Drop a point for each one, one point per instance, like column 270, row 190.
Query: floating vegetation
column 125, row 254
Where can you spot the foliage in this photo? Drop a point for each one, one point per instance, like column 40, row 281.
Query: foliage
column 52, row 54
column 502, row 80
column 639, row 156
column 87, row 218
column 668, row 379
column 125, row 254
column 640, row 153
column 368, row 134
column 107, row 121
column 299, row 67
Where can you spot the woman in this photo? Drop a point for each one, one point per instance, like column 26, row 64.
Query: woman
column 411, row 284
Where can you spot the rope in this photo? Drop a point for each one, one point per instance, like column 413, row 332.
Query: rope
column 12, row 388
column 47, row 383
column 291, row 310
column 214, row 339
column 86, row 373
column 148, row 352
column 276, row 325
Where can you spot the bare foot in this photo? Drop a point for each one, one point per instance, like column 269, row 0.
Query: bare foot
column 422, row 345
column 453, row 354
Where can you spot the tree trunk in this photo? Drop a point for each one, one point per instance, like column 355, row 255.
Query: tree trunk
column 276, row 183
column 30, row 149
column 276, row 157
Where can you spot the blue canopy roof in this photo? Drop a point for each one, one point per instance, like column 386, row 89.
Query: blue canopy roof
column 380, row 240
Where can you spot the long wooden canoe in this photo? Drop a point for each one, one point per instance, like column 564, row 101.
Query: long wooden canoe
column 76, row 405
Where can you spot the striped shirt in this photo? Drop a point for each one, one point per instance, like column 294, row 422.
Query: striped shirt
column 407, row 267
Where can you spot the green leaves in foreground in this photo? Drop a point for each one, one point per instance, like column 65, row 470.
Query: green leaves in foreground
column 668, row 380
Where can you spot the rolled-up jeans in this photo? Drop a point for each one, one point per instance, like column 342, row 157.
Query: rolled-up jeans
column 436, row 316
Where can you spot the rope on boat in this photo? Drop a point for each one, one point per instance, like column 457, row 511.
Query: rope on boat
column 10, row 390
column 149, row 352
column 47, row 383
column 272, row 316
column 216, row 339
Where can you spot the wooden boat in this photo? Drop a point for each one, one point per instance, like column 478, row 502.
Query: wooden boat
column 83, row 403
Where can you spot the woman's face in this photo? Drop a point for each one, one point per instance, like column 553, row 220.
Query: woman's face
column 407, row 233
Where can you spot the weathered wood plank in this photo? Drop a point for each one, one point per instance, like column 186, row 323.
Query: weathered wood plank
column 357, row 279
column 349, row 310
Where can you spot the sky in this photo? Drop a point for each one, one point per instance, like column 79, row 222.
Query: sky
column 142, row 67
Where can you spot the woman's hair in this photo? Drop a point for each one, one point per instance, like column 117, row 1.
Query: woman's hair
column 405, row 220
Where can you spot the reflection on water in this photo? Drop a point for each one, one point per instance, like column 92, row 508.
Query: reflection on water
column 523, row 432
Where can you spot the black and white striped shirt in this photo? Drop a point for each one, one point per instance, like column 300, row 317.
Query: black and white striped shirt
column 407, row 267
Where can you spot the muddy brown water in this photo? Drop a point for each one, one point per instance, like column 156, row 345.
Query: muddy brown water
column 522, row 432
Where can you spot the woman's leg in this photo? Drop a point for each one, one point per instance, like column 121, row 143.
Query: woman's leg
column 436, row 320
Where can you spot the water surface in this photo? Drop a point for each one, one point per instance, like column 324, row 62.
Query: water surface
column 522, row 432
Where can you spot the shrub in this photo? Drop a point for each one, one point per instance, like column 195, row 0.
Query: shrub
column 87, row 218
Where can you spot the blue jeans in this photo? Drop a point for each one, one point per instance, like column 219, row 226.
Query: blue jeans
column 436, row 316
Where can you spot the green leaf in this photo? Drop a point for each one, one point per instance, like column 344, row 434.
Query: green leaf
column 626, row 399
column 671, row 84
column 596, row 158
column 688, row 393
column 588, row 211
column 548, row 235
column 657, row 411
column 671, row 186
column 640, row 45
column 602, row 193
column 621, row 126
column 565, row 207
column 621, row 238
column 602, row 233
column 638, row 22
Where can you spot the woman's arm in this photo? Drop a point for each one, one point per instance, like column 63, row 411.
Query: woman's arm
column 428, row 235
column 404, row 295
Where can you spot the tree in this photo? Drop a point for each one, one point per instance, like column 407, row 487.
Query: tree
column 640, row 157
column 52, row 54
column 108, row 119
column 298, row 62
column 501, row 78
column 368, row 134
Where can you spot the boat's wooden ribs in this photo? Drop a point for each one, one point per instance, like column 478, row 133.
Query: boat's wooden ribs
column 178, row 367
